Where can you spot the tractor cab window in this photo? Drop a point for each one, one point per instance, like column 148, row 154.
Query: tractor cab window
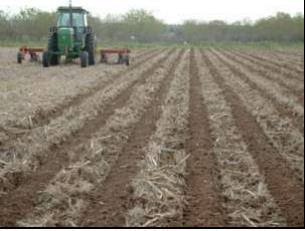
column 78, row 20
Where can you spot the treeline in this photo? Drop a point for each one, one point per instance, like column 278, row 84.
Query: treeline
column 142, row 27
column 280, row 28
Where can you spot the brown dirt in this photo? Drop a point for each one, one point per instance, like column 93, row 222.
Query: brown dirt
column 273, row 63
column 282, row 109
column 202, row 191
column 274, row 69
column 8, row 146
column 205, row 203
column 43, row 117
column 287, row 191
column 17, row 203
column 254, row 68
column 115, row 191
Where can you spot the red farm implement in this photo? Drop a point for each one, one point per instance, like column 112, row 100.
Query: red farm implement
column 32, row 53
column 123, row 55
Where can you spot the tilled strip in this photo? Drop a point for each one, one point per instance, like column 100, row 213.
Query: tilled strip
column 280, row 63
column 53, row 156
column 291, row 86
column 158, row 189
column 267, row 64
column 247, row 199
column 204, row 199
column 278, row 92
column 285, row 138
column 287, row 191
column 98, row 159
column 114, row 193
column 295, row 56
column 43, row 138
column 26, row 74
column 286, row 105
column 43, row 116
column 78, row 99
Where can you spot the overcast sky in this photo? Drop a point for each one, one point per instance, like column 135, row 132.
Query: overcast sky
column 173, row 11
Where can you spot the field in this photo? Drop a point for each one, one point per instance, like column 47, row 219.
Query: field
column 182, row 137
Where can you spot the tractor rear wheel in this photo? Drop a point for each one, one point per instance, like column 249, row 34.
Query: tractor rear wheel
column 52, row 47
column 90, row 47
column 45, row 59
column 84, row 59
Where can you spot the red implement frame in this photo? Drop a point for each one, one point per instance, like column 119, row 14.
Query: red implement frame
column 123, row 55
column 23, row 51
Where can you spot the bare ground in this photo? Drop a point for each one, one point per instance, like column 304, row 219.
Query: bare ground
column 180, row 138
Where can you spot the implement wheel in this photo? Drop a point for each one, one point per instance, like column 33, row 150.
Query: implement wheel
column 127, row 60
column 19, row 57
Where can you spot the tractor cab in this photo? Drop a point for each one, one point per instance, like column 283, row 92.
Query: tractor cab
column 72, row 27
column 72, row 17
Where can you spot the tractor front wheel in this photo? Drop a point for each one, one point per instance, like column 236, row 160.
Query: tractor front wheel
column 45, row 59
column 84, row 59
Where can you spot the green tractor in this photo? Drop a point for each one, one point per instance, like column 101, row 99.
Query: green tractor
column 72, row 38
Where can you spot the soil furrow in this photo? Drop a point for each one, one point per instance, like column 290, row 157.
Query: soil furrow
column 21, row 201
column 96, row 157
column 275, row 63
column 37, row 94
column 287, row 191
column 280, row 130
column 27, row 73
column 286, row 108
column 157, row 191
column 24, row 155
column 46, row 116
column 292, row 87
column 296, row 56
column 114, row 192
column 204, row 207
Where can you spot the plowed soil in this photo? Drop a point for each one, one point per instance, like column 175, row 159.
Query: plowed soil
column 110, row 145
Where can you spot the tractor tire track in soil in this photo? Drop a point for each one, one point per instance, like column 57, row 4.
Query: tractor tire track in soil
column 287, row 191
column 205, row 200
column 17, row 203
column 114, row 192
column 283, row 110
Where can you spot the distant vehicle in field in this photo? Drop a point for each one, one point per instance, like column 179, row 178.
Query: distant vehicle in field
column 73, row 38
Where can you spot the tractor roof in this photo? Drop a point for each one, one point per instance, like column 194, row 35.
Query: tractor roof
column 74, row 9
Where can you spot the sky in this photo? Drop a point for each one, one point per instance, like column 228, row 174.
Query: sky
column 172, row 11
